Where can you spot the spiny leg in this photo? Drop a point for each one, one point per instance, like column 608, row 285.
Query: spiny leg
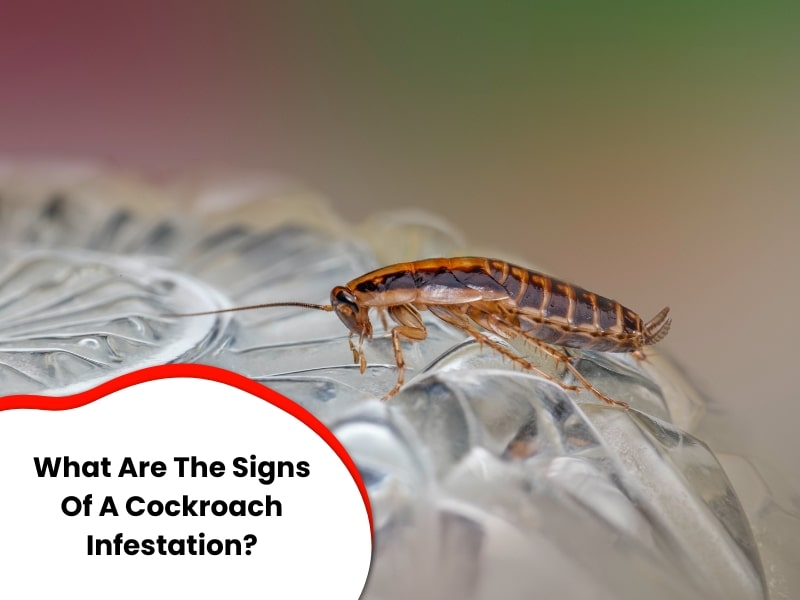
column 408, row 333
column 494, row 323
column 411, row 328
column 358, row 353
column 353, row 348
column 384, row 322
column 459, row 320
column 567, row 360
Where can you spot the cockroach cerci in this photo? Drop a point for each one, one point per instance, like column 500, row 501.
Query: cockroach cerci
column 480, row 295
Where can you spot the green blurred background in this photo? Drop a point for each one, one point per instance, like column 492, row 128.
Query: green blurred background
column 648, row 152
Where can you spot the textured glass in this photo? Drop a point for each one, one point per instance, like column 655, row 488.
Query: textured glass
column 485, row 481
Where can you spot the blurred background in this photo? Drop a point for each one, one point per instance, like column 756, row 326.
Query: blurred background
column 649, row 153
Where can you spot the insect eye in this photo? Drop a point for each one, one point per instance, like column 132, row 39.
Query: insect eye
column 342, row 297
column 345, row 298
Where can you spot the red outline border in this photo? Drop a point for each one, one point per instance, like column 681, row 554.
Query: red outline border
column 196, row 371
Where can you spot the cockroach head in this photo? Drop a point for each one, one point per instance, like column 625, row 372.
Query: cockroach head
column 351, row 314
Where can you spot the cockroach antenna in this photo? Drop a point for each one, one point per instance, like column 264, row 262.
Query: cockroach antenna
column 325, row 307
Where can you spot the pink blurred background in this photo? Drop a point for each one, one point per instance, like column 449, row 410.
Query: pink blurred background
column 650, row 156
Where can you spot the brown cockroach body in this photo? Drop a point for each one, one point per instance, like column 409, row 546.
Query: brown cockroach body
column 478, row 295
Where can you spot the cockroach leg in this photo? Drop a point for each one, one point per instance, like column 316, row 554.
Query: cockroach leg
column 451, row 317
column 362, row 359
column 567, row 360
column 494, row 323
column 413, row 334
column 384, row 322
column 358, row 353
column 353, row 348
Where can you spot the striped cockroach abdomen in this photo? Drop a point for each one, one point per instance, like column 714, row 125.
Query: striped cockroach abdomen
column 533, row 304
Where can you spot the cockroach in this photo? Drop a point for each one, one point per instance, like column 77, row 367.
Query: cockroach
column 480, row 295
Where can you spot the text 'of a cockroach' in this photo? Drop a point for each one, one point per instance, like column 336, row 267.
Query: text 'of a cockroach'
column 479, row 295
